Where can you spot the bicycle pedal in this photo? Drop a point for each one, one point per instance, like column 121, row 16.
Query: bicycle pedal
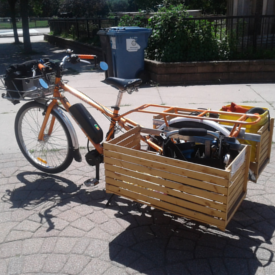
column 91, row 182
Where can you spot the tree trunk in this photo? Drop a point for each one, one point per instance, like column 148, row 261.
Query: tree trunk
column 25, row 25
column 13, row 19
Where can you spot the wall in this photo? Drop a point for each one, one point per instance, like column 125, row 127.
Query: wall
column 211, row 72
column 250, row 7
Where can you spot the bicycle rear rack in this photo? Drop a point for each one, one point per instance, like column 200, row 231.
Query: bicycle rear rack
column 212, row 115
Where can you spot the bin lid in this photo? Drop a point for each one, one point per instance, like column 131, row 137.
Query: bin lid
column 114, row 31
column 102, row 31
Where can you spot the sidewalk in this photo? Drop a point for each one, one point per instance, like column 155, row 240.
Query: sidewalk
column 35, row 31
column 53, row 224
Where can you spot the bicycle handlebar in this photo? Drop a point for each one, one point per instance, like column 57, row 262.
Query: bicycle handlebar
column 69, row 57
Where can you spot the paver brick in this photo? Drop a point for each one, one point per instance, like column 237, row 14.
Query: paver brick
column 95, row 266
column 98, row 217
column 64, row 245
column 31, row 246
column 48, row 244
column 33, row 263
column 15, row 235
column 81, row 245
column 3, row 266
column 98, row 233
column 15, row 266
column 83, row 223
column 96, row 248
column 54, row 263
column 70, row 231
column 75, row 264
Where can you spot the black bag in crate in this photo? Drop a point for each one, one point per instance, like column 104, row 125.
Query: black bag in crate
column 22, row 70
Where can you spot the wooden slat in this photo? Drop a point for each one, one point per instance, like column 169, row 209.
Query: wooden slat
column 147, row 161
column 263, row 157
column 173, row 208
column 271, row 135
column 214, row 172
column 136, row 146
column 265, row 143
column 166, row 175
column 166, row 198
column 229, row 168
column 172, row 192
column 124, row 136
column 129, row 143
column 265, row 136
column 168, row 185
column 239, row 183
column 234, row 196
column 238, row 186
column 235, row 182
column 235, row 207
column 246, row 170
column 240, row 171
column 128, row 140
column 263, row 129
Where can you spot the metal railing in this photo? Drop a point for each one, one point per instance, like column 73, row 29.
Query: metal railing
column 256, row 32
column 242, row 32
column 81, row 28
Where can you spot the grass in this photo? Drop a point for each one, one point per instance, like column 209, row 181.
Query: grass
column 35, row 24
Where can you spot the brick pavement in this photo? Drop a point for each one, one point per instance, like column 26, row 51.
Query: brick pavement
column 53, row 224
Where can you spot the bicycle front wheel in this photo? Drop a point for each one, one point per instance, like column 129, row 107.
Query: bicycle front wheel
column 54, row 153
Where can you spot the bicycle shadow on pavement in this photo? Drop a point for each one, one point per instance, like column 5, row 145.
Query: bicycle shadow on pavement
column 155, row 241
column 44, row 193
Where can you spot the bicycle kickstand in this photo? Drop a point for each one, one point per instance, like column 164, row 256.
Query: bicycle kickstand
column 94, row 181
column 93, row 158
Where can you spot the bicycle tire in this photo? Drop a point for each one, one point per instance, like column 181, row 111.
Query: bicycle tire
column 52, row 155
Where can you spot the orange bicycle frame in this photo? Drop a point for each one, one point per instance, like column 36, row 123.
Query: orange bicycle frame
column 168, row 112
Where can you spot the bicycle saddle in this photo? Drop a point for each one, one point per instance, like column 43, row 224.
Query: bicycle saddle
column 123, row 84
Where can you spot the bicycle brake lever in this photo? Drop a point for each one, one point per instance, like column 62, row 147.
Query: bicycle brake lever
column 85, row 61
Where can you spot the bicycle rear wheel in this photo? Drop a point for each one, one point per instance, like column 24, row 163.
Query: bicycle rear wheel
column 52, row 155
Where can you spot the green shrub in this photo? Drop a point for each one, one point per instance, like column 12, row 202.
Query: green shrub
column 177, row 39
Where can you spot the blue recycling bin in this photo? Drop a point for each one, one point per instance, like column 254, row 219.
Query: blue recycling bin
column 127, row 46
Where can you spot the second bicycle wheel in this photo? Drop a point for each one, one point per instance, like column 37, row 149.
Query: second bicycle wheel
column 55, row 152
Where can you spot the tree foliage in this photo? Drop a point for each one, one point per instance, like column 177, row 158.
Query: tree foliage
column 208, row 6
column 5, row 10
column 83, row 8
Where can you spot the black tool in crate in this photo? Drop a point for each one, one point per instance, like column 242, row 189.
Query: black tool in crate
column 200, row 146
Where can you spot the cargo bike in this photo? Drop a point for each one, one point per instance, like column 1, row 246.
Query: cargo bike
column 193, row 163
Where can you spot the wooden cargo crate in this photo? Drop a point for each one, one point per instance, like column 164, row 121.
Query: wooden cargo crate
column 194, row 191
column 263, row 148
